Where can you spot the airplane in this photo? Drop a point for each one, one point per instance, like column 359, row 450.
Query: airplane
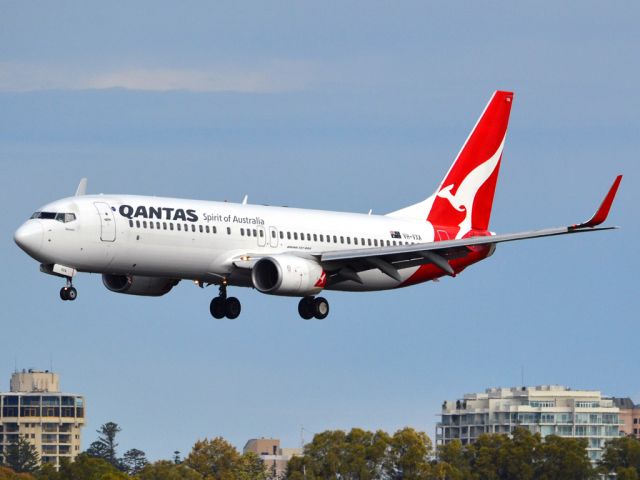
column 146, row 245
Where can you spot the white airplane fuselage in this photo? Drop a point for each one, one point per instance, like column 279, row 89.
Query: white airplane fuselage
column 201, row 240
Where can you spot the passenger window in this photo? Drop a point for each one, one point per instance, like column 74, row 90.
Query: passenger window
column 375, row 242
column 255, row 234
column 369, row 241
column 273, row 234
column 362, row 242
column 131, row 223
column 281, row 235
column 200, row 228
column 242, row 232
column 288, row 235
column 315, row 237
column 214, row 229
column 394, row 243
column 151, row 225
column 261, row 233
column 178, row 227
column 388, row 243
column 295, row 235
column 349, row 240
column 206, row 229
column 171, row 227
column 321, row 238
column 335, row 239
column 341, row 239
column 144, row 224
column 164, row 225
column 193, row 228
column 308, row 237
column 228, row 230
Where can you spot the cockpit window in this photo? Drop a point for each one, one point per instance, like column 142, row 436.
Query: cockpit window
column 60, row 217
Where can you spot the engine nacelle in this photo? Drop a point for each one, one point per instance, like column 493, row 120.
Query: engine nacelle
column 288, row 275
column 138, row 285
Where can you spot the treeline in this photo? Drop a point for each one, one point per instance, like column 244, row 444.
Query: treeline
column 355, row 455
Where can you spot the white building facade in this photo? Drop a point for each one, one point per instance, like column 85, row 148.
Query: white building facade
column 544, row 409
column 36, row 410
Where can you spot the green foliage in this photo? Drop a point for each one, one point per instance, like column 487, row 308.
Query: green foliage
column 21, row 456
column 133, row 461
column 85, row 467
column 364, row 455
column 8, row 474
column 214, row 459
column 621, row 456
column 105, row 446
column 168, row 470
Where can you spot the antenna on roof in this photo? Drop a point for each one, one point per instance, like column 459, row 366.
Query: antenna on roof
column 82, row 187
column 244, row 200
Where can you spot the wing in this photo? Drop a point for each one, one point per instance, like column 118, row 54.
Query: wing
column 347, row 263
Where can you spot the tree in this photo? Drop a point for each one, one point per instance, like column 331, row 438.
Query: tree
column 166, row 470
column 134, row 461
column 105, row 446
column 214, row 459
column 622, row 457
column 8, row 474
column 251, row 467
column 87, row 467
column 408, row 455
column 564, row 458
column 22, row 456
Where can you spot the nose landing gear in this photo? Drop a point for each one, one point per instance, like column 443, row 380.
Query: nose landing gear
column 310, row 307
column 68, row 292
column 223, row 306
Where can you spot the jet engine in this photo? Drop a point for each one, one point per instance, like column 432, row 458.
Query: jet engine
column 288, row 275
column 138, row 285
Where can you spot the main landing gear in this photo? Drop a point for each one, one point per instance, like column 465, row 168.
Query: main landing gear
column 223, row 306
column 310, row 307
column 68, row 292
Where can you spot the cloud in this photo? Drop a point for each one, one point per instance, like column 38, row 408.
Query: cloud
column 276, row 77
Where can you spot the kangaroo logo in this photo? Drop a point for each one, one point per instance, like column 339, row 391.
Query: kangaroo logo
column 463, row 199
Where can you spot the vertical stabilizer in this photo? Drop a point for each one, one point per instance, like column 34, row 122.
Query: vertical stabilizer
column 465, row 197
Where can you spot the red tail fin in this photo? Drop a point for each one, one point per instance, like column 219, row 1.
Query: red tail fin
column 465, row 196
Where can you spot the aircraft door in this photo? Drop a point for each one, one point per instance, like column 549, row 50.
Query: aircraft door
column 107, row 222
column 262, row 237
column 273, row 236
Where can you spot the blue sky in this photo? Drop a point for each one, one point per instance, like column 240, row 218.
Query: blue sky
column 333, row 105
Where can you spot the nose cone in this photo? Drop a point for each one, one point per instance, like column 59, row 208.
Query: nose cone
column 29, row 237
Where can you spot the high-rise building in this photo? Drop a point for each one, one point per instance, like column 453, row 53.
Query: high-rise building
column 275, row 458
column 545, row 409
column 629, row 416
column 38, row 411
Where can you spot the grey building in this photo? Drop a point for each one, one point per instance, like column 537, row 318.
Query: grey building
column 544, row 409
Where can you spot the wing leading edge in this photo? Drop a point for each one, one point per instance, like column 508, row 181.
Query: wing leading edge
column 389, row 259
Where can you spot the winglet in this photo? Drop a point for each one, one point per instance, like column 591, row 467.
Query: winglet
column 82, row 188
column 603, row 211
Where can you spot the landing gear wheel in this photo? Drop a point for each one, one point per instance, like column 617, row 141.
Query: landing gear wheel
column 68, row 293
column 217, row 307
column 320, row 308
column 232, row 308
column 306, row 308
column 72, row 293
